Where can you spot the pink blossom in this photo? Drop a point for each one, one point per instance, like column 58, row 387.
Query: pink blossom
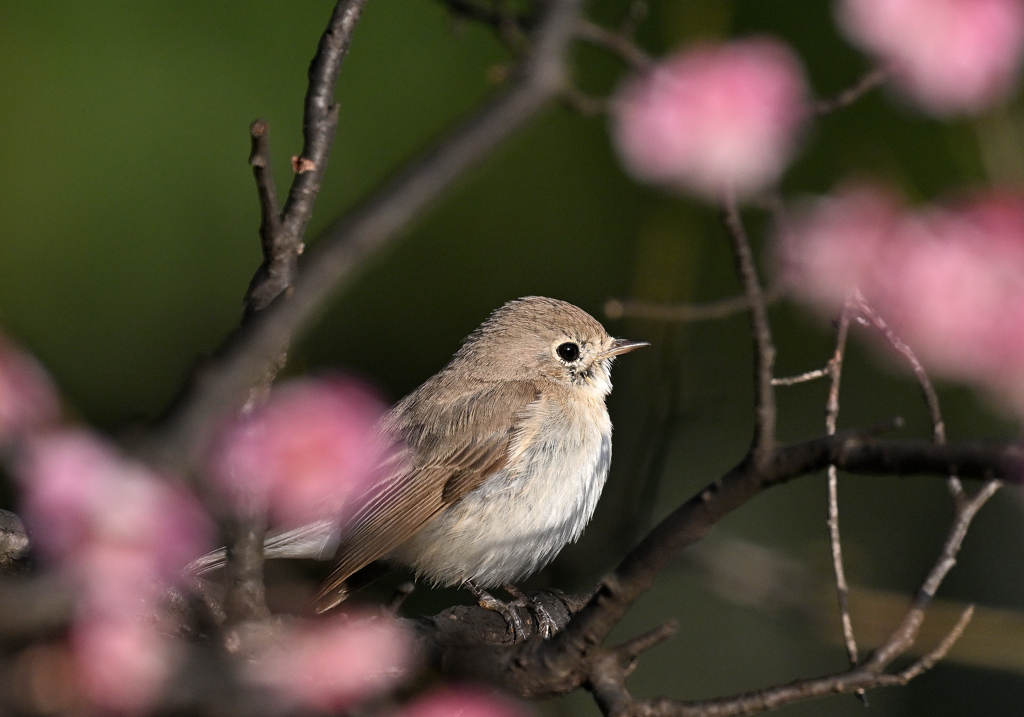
column 81, row 496
column 949, row 278
column 332, row 664
column 119, row 533
column 950, row 56
column 836, row 243
column 28, row 399
column 713, row 119
column 305, row 453
column 120, row 664
column 464, row 702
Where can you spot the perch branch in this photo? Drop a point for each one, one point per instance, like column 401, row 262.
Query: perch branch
column 563, row 663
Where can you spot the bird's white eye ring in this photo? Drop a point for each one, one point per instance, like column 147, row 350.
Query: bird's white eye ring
column 568, row 351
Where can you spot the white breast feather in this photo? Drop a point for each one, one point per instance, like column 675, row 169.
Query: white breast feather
column 521, row 517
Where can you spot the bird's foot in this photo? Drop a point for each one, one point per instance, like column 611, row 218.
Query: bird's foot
column 507, row 610
column 547, row 625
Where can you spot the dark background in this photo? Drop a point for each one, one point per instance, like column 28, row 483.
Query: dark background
column 128, row 223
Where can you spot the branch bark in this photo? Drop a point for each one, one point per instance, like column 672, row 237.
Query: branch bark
column 539, row 668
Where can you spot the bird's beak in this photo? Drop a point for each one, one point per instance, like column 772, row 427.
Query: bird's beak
column 622, row 346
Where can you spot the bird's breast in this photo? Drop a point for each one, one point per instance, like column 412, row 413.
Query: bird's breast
column 518, row 519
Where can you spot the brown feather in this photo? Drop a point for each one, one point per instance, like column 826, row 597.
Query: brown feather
column 440, row 472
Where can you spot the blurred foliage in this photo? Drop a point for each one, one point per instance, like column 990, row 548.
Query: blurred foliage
column 128, row 236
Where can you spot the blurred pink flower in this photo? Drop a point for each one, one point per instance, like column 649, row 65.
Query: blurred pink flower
column 305, row 453
column 464, row 702
column 948, row 279
column 28, row 399
column 713, row 118
column 81, row 496
column 950, row 56
column 120, row 664
column 335, row 663
column 836, row 243
column 120, row 534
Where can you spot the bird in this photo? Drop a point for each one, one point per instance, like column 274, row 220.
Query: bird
column 503, row 455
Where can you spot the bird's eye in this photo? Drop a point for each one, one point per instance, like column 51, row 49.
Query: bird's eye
column 568, row 351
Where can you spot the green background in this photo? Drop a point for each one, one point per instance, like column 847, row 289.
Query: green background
column 128, row 234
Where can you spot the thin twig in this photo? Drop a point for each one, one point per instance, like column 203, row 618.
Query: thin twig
column 497, row 15
column 764, row 349
column 348, row 245
column 270, row 209
column 906, row 632
column 835, row 369
column 615, row 700
column 560, row 664
column 939, row 651
column 710, row 311
column 801, row 377
column 615, row 42
column 281, row 238
column 631, row 649
column 277, row 271
column 320, row 118
column 634, row 16
column 931, row 396
column 586, row 104
column 851, row 94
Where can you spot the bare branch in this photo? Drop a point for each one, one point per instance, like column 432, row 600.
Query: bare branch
column 628, row 651
column 320, row 118
column 801, row 377
column 941, row 650
column 220, row 386
column 586, row 104
column 277, row 271
column 905, row 634
column 872, row 673
column 931, row 396
column 615, row 42
column 270, row 209
column 869, row 675
column 281, row 237
column 835, row 369
column 558, row 665
column 634, row 16
column 764, row 349
column 245, row 597
column 851, row 94
column 723, row 309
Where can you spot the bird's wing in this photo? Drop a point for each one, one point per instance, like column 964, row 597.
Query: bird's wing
column 442, row 466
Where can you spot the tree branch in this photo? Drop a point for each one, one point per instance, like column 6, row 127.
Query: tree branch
column 853, row 93
column 708, row 311
column 281, row 238
column 563, row 663
column 835, row 370
column 220, row 386
column 764, row 349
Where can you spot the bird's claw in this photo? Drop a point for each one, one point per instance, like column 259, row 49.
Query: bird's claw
column 546, row 623
column 507, row 610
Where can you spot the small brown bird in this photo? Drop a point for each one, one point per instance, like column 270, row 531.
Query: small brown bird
column 506, row 450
